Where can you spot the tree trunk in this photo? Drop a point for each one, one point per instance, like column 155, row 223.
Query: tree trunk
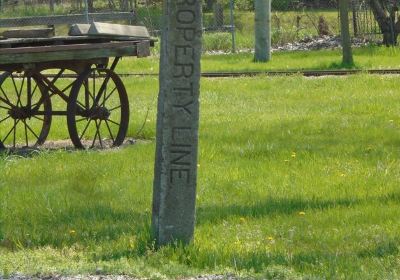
column 386, row 21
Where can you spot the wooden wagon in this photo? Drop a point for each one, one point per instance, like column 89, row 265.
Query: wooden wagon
column 76, row 69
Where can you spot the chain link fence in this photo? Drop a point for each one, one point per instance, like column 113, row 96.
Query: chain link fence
column 228, row 24
column 377, row 21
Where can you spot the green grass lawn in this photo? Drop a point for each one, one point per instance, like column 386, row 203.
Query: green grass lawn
column 365, row 58
column 297, row 178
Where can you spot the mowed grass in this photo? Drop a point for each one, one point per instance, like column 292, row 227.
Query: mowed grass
column 372, row 57
column 297, row 178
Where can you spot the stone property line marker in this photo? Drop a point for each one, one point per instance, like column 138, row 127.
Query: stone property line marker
column 175, row 172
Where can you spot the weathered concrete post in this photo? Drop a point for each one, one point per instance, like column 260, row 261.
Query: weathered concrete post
column 345, row 32
column 174, row 190
column 262, row 50
column 51, row 4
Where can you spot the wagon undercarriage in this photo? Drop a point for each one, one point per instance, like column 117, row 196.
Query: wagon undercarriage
column 77, row 72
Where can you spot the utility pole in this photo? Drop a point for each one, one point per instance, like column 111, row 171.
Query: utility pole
column 262, row 50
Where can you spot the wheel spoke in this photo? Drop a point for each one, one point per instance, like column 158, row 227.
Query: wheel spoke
column 81, row 119
column 84, row 130
column 67, row 87
column 81, row 106
column 30, row 129
column 87, row 95
column 5, row 95
column 22, row 85
column 57, row 76
column 95, row 135
column 20, row 91
column 26, row 134
column 102, row 89
column 15, row 87
column 6, row 102
column 94, row 83
column 115, row 108
column 15, row 133
column 6, row 108
column 111, row 121
column 29, row 91
column 109, row 130
column 11, row 130
column 34, row 90
column 36, row 117
column 6, row 118
column 98, row 132
column 108, row 96
column 37, row 105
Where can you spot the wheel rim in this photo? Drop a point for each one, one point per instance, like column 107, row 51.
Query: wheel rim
column 25, row 112
column 98, row 110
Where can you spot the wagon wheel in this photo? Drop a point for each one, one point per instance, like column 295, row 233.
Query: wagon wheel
column 98, row 110
column 25, row 112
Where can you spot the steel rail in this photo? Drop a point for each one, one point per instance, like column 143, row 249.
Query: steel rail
column 305, row 73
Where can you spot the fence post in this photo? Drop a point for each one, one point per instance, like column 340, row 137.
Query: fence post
column 262, row 52
column 345, row 32
column 51, row 4
column 87, row 11
column 232, row 25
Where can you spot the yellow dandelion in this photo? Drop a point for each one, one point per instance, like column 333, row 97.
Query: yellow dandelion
column 270, row 238
column 342, row 175
column 301, row 213
column 72, row 231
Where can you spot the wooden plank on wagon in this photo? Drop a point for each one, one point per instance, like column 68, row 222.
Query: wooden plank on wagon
column 59, row 40
column 29, row 33
column 117, row 30
column 79, row 29
column 66, row 52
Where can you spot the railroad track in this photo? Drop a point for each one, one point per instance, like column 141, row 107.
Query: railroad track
column 305, row 73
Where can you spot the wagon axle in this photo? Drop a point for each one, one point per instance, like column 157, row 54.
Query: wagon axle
column 98, row 113
column 20, row 113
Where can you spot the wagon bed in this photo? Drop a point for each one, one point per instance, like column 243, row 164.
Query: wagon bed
column 36, row 50
column 97, row 102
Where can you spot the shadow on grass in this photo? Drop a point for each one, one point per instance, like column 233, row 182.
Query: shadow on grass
column 94, row 225
column 283, row 206
column 271, row 206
